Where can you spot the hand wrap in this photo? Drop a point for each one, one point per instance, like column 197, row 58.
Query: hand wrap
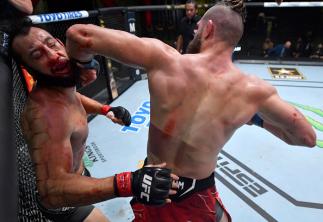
column 92, row 64
column 149, row 185
column 119, row 112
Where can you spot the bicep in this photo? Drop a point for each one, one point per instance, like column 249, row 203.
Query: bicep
column 278, row 112
column 118, row 45
column 132, row 50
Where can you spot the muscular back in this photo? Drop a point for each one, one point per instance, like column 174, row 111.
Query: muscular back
column 195, row 110
column 197, row 100
column 55, row 128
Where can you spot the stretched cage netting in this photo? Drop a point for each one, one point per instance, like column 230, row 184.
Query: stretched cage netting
column 122, row 73
column 27, row 207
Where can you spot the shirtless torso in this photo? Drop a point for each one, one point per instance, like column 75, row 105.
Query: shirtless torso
column 64, row 107
column 197, row 100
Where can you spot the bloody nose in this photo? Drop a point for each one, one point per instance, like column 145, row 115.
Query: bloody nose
column 53, row 60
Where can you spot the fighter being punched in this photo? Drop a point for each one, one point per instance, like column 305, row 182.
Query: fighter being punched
column 55, row 127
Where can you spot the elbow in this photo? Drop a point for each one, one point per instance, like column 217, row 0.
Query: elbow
column 74, row 30
column 47, row 199
column 310, row 139
column 307, row 138
column 49, row 202
column 79, row 42
column 81, row 34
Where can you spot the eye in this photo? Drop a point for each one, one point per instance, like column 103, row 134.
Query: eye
column 36, row 54
column 51, row 43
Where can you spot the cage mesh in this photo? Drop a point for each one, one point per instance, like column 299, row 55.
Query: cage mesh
column 121, row 72
column 27, row 207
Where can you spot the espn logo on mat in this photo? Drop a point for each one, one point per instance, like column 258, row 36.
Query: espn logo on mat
column 239, row 177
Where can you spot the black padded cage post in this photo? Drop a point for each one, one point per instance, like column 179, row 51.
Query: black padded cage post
column 8, row 168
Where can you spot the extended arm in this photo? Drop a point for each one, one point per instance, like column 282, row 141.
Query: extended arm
column 286, row 122
column 91, row 106
column 116, row 114
column 85, row 40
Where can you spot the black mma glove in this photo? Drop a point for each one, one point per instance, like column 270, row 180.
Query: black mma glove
column 119, row 112
column 149, row 185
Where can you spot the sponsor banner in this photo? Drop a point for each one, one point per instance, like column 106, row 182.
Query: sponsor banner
column 92, row 155
column 293, row 4
column 56, row 17
column 140, row 119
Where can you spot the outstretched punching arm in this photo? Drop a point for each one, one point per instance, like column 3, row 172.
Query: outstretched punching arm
column 83, row 41
column 117, row 114
column 284, row 121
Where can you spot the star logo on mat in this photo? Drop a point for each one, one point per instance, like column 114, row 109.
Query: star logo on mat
column 285, row 73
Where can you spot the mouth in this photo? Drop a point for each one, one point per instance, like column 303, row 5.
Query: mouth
column 61, row 67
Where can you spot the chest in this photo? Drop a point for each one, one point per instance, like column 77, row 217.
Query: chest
column 58, row 111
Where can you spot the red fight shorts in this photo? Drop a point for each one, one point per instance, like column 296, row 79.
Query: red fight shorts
column 201, row 206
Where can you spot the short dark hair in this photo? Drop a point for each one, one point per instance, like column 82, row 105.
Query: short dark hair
column 229, row 23
column 21, row 28
column 192, row 2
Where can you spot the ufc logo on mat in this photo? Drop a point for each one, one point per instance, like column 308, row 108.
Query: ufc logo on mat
column 146, row 184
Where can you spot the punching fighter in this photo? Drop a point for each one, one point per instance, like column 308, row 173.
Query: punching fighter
column 198, row 101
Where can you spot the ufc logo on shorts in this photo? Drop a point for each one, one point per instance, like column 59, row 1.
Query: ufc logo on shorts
column 180, row 184
column 146, row 184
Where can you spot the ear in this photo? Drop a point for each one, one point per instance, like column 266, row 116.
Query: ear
column 209, row 29
column 60, row 42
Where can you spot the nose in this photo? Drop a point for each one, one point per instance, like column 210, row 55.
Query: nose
column 52, row 56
